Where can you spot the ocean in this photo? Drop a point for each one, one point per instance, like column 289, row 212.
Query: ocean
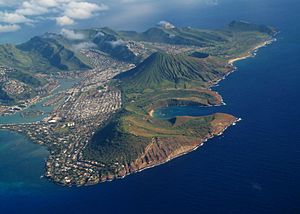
column 253, row 168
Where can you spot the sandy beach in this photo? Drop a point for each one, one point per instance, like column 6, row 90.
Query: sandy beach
column 250, row 54
column 151, row 112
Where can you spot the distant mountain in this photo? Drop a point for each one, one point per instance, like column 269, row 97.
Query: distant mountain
column 246, row 26
column 41, row 54
column 11, row 56
column 163, row 70
column 53, row 53
column 111, row 42
column 178, row 36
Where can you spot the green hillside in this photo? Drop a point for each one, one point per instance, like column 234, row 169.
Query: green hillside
column 246, row 26
column 26, row 78
column 161, row 80
column 111, row 43
column 41, row 55
column 178, row 36
column 162, row 70
column 52, row 54
column 11, row 56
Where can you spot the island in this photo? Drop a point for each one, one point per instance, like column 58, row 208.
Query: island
column 104, row 127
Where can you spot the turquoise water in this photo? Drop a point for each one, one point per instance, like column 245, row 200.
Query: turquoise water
column 22, row 164
column 18, row 118
column 253, row 168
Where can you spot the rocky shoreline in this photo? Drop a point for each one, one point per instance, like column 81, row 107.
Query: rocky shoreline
column 251, row 53
column 75, row 170
column 160, row 151
column 156, row 154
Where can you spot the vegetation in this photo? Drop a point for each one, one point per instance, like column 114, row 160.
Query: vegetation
column 11, row 56
column 161, row 80
column 54, row 55
column 165, row 80
column 246, row 26
column 178, row 36
column 47, row 54
column 116, row 48
column 52, row 52
column 41, row 55
column 162, row 70
column 125, row 138
column 26, row 78
column 13, row 99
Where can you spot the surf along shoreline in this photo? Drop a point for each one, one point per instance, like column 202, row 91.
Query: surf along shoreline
column 251, row 53
column 201, row 142
column 151, row 113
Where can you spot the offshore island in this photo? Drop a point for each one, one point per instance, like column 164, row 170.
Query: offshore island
column 104, row 126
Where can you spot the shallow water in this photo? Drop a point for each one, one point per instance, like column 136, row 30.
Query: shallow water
column 18, row 118
column 27, row 160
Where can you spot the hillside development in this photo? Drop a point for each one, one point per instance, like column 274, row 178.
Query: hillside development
column 105, row 128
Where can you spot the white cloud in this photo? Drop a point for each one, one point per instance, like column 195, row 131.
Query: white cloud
column 117, row 43
column 64, row 20
column 72, row 35
column 39, row 7
column 83, row 10
column 64, row 11
column 9, row 28
column 31, row 9
column 13, row 18
column 84, row 45
column 99, row 34
column 69, row 12
column 166, row 24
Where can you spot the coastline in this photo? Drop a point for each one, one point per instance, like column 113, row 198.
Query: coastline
column 175, row 154
column 251, row 52
column 231, row 62
column 151, row 113
column 184, row 149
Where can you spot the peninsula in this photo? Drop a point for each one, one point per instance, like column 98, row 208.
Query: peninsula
column 104, row 127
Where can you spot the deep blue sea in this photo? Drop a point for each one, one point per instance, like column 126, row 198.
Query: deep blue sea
column 253, row 168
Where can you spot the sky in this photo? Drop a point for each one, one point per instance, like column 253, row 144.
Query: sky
column 20, row 20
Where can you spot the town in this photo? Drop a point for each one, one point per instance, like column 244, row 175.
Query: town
column 79, row 112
